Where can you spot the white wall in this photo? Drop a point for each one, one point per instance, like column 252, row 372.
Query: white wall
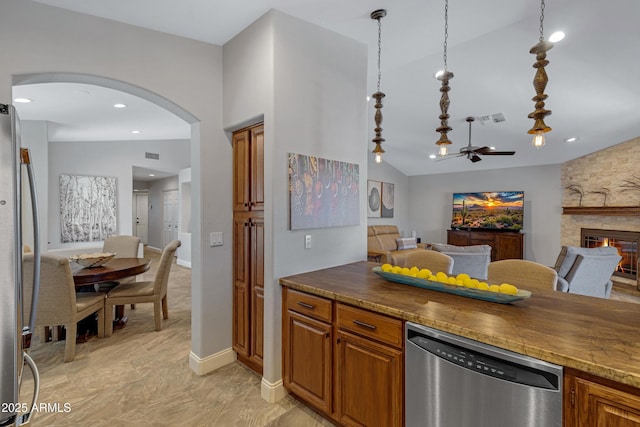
column 111, row 159
column 182, row 75
column 431, row 198
column 384, row 172
column 309, row 84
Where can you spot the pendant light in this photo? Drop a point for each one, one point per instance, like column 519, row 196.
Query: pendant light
column 539, row 84
column 444, row 77
column 378, row 139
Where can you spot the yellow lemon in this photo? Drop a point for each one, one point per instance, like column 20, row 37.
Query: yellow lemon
column 459, row 283
column 386, row 267
column 424, row 273
column 463, row 276
column 452, row 280
column 414, row 270
column 494, row 288
column 469, row 283
column 442, row 276
column 396, row 269
column 405, row 271
column 476, row 281
column 506, row 288
column 432, row 278
column 483, row 286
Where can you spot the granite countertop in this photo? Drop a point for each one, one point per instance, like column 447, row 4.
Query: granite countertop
column 593, row 335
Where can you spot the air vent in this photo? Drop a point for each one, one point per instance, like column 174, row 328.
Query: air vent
column 154, row 156
column 492, row 118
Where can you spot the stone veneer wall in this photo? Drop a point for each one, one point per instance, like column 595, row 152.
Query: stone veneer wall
column 603, row 169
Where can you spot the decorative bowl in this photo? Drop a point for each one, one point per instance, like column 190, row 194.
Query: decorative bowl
column 92, row 260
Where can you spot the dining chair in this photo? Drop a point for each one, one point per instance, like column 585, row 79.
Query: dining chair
column 433, row 260
column 154, row 291
column 59, row 304
column 124, row 247
column 522, row 273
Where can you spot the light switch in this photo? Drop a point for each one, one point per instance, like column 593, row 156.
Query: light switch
column 215, row 238
column 307, row 241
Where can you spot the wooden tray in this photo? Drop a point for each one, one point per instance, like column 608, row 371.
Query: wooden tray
column 453, row 289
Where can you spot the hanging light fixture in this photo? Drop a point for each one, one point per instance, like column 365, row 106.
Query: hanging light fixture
column 378, row 139
column 444, row 77
column 539, row 84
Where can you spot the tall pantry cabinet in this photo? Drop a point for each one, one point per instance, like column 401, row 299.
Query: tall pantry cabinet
column 248, row 245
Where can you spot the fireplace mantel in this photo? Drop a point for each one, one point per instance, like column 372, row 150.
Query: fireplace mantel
column 601, row 210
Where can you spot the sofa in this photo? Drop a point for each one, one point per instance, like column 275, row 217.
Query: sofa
column 587, row 271
column 387, row 246
column 473, row 260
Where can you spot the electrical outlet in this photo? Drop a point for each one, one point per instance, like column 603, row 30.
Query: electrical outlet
column 307, row 241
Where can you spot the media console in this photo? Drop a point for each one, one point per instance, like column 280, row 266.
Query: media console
column 504, row 244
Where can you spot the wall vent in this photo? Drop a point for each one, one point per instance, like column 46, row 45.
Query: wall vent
column 492, row 118
column 154, row 156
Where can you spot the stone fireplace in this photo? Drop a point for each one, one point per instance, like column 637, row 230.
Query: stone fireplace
column 626, row 242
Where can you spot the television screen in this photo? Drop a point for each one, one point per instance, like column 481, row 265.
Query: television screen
column 501, row 210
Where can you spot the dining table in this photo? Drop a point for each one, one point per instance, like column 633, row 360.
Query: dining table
column 113, row 270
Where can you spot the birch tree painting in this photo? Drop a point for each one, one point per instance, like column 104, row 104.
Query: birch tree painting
column 87, row 208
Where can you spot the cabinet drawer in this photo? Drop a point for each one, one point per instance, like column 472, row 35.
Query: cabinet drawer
column 377, row 326
column 309, row 305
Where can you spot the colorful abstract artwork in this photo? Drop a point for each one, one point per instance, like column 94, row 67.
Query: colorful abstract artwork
column 322, row 192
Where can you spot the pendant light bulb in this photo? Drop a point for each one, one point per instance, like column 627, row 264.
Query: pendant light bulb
column 378, row 158
column 538, row 139
column 442, row 151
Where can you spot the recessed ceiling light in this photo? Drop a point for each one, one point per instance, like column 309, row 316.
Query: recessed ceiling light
column 135, row 131
column 119, row 105
column 368, row 98
column 572, row 139
column 492, row 148
column 432, row 156
column 22, row 100
column 151, row 174
column 556, row 37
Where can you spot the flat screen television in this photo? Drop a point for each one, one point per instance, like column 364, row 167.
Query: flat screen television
column 498, row 210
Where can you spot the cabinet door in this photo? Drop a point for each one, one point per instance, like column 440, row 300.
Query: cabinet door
column 307, row 345
column 457, row 238
column 241, row 142
column 256, row 226
column 241, row 284
column 368, row 383
column 509, row 246
column 602, row 406
column 257, row 168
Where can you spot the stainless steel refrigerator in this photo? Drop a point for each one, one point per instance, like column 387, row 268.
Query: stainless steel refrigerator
column 15, row 330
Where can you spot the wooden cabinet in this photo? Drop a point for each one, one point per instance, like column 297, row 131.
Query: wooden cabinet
column 248, row 246
column 308, row 348
column 248, row 162
column 344, row 361
column 593, row 401
column 504, row 244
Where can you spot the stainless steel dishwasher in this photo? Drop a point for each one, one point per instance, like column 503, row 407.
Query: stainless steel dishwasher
column 451, row 381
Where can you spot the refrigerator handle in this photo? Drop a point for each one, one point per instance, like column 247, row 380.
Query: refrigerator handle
column 28, row 330
column 26, row 417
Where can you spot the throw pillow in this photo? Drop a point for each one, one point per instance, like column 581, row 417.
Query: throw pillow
column 406, row 243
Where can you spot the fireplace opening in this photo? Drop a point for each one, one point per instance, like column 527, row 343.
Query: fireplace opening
column 626, row 242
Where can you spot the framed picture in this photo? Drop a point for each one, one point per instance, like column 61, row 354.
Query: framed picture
column 387, row 200
column 374, row 199
column 87, row 208
column 322, row 192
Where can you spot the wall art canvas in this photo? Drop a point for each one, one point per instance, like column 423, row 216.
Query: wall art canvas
column 387, row 200
column 322, row 192
column 374, row 199
column 87, row 208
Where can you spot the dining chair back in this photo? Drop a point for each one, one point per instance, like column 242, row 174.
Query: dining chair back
column 59, row 304
column 153, row 291
column 434, row 261
column 123, row 246
column 523, row 274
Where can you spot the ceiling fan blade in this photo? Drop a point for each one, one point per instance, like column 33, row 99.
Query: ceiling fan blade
column 474, row 157
column 448, row 156
column 486, row 151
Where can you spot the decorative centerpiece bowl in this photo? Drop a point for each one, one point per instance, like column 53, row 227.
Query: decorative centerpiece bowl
column 92, row 260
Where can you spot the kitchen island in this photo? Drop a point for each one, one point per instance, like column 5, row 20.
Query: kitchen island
column 588, row 335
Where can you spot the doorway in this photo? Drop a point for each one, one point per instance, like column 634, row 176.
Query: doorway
column 171, row 205
column 141, row 215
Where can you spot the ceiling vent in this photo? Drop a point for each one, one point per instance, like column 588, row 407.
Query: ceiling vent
column 154, row 156
column 492, row 118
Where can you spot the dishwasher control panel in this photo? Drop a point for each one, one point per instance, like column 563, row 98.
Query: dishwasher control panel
column 485, row 364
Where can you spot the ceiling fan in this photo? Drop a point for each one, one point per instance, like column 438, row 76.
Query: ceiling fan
column 473, row 153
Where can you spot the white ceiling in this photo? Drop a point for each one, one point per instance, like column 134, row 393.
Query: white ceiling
column 594, row 84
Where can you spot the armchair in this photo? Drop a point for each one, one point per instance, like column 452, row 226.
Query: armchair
column 473, row 260
column 587, row 271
